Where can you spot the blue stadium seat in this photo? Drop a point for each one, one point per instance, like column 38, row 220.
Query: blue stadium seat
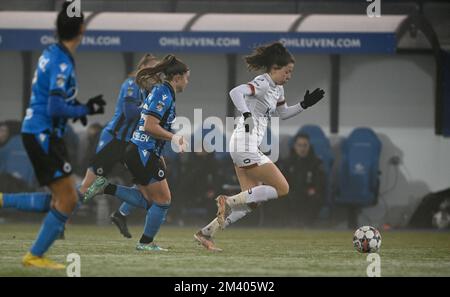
column 358, row 175
column 320, row 143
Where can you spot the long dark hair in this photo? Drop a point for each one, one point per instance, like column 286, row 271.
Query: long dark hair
column 169, row 67
column 146, row 59
column 267, row 56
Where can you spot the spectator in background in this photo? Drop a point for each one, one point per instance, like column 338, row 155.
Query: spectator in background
column 4, row 134
column 8, row 129
column 200, row 184
column 306, row 176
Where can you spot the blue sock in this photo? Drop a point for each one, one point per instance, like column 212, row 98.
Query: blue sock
column 35, row 202
column 154, row 219
column 52, row 226
column 125, row 209
column 132, row 196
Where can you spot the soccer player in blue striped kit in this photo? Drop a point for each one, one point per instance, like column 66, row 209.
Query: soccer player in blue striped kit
column 53, row 101
column 143, row 155
column 110, row 149
column 117, row 133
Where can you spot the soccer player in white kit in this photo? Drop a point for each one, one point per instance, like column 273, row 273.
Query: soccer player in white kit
column 259, row 178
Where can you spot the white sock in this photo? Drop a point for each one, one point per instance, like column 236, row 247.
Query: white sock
column 256, row 194
column 236, row 215
column 211, row 228
column 261, row 194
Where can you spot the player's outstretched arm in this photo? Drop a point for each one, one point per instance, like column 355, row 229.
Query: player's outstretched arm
column 58, row 107
column 285, row 112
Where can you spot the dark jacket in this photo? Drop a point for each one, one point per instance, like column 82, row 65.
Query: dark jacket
column 306, row 176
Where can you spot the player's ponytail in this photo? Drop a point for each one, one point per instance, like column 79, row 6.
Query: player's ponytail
column 267, row 56
column 168, row 67
column 145, row 61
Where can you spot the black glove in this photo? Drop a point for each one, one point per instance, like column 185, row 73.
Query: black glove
column 249, row 124
column 313, row 98
column 96, row 105
column 82, row 119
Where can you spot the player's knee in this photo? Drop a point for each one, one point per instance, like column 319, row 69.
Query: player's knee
column 283, row 189
column 67, row 202
column 71, row 201
column 162, row 199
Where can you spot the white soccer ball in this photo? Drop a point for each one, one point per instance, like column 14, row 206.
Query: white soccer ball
column 367, row 239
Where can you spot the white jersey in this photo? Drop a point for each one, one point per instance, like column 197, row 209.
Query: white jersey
column 262, row 104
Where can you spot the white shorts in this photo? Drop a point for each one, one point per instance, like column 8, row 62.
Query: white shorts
column 244, row 150
column 243, row 159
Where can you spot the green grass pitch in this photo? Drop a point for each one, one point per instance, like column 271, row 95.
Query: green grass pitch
column 247, row 252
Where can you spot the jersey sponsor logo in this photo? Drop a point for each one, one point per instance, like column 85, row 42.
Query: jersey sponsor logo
column 161, row 173
column 63, row 67
column 60, row 80
column 141, row 137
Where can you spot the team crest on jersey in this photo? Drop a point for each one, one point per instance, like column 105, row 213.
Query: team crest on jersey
column 160, row 106
column 164, row 97
column 130, row 91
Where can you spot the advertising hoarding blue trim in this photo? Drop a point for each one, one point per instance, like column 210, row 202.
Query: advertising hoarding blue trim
column 207, row 42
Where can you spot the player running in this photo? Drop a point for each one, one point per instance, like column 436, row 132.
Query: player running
column 143, row 154
column 53, row 101
column 259, row 178
column 117, row 133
